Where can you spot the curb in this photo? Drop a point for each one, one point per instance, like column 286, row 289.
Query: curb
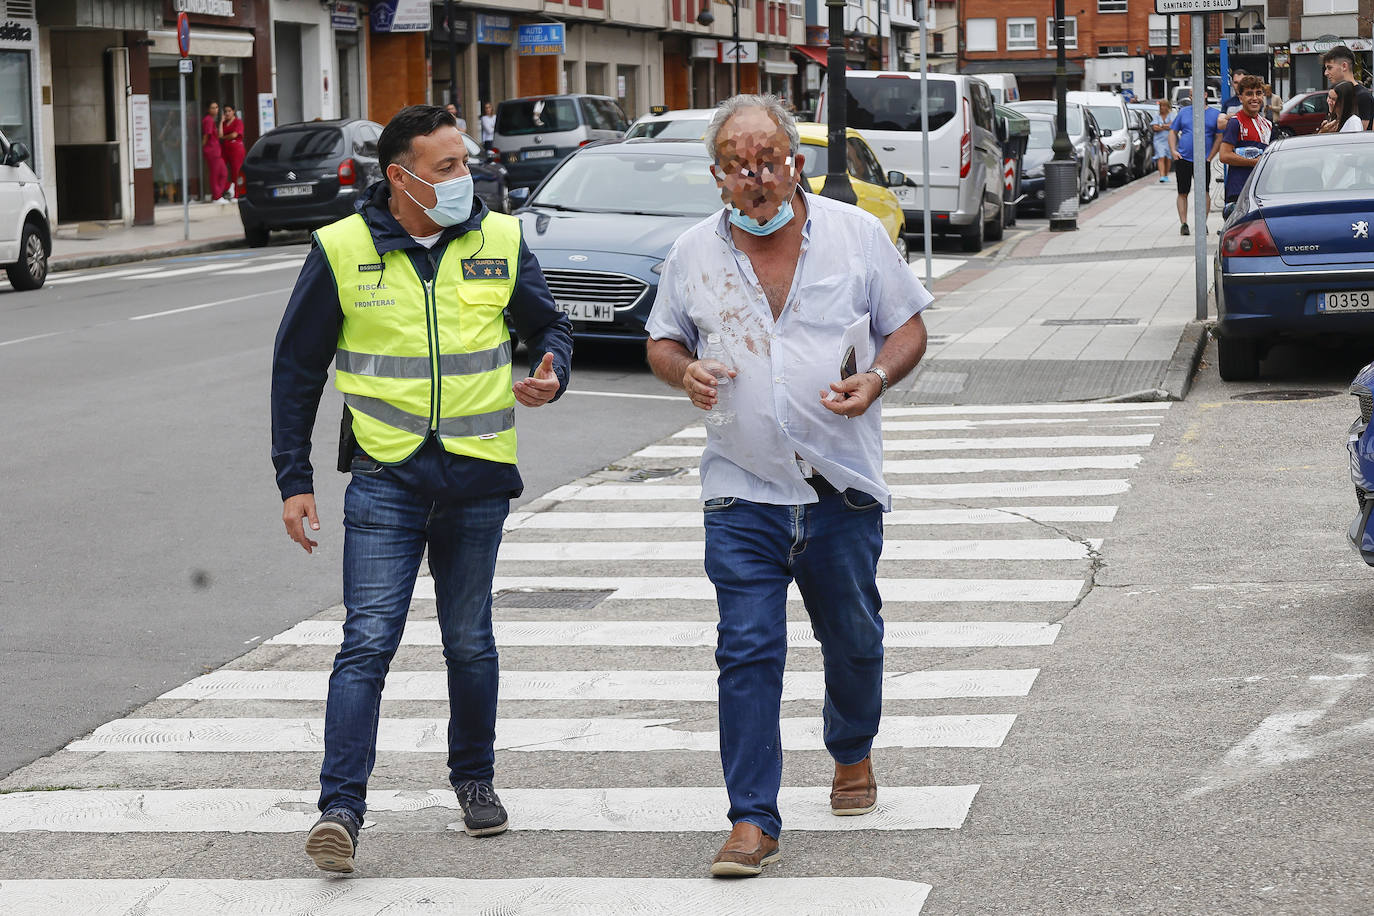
column 109, row 258
column 1178, row 378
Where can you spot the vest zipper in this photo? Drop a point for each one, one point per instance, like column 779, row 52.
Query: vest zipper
column 432, row 329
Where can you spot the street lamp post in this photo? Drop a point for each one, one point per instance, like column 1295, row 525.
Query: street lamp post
column 452, row 57
column 837, row 186
column 1061, row 173
column 879, row 27
column 705, row 18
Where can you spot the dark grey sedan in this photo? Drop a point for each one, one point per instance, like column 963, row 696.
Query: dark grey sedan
column 1086, row 138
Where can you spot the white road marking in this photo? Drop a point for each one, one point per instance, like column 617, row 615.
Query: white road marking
column 1010, row 515
column 1034, row 463
column 591, row 735
column 625, row 394
column 699, row 588
column 893, row 551
column 1017, row 443
column 206, row 305
column 19, row 340
column 684, row 634
column 167, row 273
column 686, row 686
column 621, row 810
column 828, row 896
column 656, row 492
column 980, row 409
column 258, row 268
column 87, row 277
column 913, row 426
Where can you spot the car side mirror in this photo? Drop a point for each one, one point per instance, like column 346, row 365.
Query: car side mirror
column 18, row 153
column 897, row 179
column 1227, row 210
column 519, row 196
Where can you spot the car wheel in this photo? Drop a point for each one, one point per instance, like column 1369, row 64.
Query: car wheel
column 257, row 236
column 1088, row 189
column 1238, row 359
column 31, row 269
column 900, row 242
column 971, row 239
column 997, row 227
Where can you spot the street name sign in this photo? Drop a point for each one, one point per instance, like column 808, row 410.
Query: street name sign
column 1183, row 7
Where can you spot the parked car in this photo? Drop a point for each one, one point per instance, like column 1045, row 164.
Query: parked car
column 25, row 224
column 304, row 176
column 1302, row 115
column 873, row 187
column 535, row 133
column 1142, row 141
column 681, row 123
column 1184, row 92
column 488, row 177
column 1109, row 110
column 1085, row 136
column 965, row 157
column 601, row 253
column 1038, row 152
column 1359, row 442
column 1003, row 86
column 1296, row 259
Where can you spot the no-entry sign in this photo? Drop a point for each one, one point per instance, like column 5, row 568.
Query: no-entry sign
column 1182, row 7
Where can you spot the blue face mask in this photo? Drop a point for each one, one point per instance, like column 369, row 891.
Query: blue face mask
column 452, row 199
column 754, row 227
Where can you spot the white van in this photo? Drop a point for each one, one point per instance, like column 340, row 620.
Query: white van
column 1003, row 86
column 25, row 228
column 1109, row 108
column 965, row 156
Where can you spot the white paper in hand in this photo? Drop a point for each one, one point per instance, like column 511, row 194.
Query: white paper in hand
column 856, row 351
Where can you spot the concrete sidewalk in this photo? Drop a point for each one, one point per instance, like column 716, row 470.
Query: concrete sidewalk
column 214, row 226
column 1106, row 311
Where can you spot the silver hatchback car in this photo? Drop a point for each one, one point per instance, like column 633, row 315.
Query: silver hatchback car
column 535, row 133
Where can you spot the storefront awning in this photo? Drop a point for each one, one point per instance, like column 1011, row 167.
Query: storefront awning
column 781, row 67
column 205, row 42
column 816, row 55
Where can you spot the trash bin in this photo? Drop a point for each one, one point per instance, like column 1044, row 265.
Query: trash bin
column 1013, row 130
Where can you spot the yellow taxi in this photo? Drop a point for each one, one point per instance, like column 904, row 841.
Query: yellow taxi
column 865, row 174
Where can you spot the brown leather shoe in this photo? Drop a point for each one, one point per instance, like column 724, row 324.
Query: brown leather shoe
column 745, row 853
column 854, row 790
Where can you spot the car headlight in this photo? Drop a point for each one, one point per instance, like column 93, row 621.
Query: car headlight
column 657, row 268
column 1118, row 144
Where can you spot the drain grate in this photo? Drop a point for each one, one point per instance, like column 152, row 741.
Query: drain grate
column 1088, row 322
column 642, row 474
column 1285, row 394
column 576, row 599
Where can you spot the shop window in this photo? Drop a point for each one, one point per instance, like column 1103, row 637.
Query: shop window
column 16, row 109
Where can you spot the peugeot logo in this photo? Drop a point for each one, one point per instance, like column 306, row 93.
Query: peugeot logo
column 577, row 257
column 290, row 176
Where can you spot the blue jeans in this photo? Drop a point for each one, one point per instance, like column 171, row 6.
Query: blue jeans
column 753, row 551
column 386, row 529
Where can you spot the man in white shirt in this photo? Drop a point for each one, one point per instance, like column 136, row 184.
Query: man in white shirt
column 792, row 484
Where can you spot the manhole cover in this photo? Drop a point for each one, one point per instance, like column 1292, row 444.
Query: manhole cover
column 580, row 599
column 1087, row 322
column 1285, row 394
column 643, row 474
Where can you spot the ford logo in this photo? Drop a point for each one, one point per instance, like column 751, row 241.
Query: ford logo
column 577, row 257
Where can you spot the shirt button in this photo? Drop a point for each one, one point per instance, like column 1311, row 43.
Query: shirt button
column 778, row 378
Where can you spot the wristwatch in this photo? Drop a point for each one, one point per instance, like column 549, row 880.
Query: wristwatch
column 881, row 373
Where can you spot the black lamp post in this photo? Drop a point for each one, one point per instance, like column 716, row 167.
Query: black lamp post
column 876, row 25
column 452, row 57
column 705, row 17
column 1235, row 30
column 837, row 186
column 1061, row 173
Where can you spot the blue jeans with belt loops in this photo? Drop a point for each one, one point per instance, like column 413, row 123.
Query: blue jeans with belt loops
column 386, row 530
column 753, row 552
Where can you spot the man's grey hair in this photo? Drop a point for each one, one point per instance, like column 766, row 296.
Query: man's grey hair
column 770, row 104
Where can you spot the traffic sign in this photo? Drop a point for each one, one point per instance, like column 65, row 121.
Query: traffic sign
column 184, row 34
column 186, row 65
column 1183, row 7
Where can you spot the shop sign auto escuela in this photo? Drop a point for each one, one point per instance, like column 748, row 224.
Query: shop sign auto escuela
column 205, row 7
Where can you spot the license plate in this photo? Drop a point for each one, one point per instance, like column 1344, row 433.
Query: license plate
column 587, row 311
column 906, row 195
column 1353, row 300
column 538, row 154
column 294, row 190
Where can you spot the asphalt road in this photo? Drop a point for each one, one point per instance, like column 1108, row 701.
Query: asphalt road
column 141, row 542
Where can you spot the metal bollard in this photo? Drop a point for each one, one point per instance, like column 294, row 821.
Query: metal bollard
column 1061, row 194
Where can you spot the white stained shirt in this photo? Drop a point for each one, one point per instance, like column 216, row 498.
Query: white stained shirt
column 1352, row 124
column 848, row 268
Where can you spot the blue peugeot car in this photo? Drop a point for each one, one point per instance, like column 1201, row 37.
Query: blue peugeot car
column 1360, row 444
column 1296, row 259
column 603, row 221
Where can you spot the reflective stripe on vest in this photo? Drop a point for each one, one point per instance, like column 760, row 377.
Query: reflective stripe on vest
column 415, row 357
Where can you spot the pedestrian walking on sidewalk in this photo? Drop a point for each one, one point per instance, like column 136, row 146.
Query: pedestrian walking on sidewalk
column 488, row 123
column 792, row 475
column 1245, row 138
column 1273, row 103
column 231, row 145
column 1181, row 149
column 1338, row 65
column 216, row 174
column 407, row 298
column 1159, row 125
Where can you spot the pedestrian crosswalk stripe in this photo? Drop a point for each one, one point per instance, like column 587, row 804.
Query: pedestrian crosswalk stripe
column 257, row 268
column 164, row 273
column 699, row 588
column 1008, row 515
column 965, row 444
column 913, row 426
column 961, row 634
column 1016, row 489
column 590, row 735
column 686, row 686
column 893, row 551
column 84, row 277
column 630, row 810
column 1028, row 463
column 825, row 896
column 939, row 410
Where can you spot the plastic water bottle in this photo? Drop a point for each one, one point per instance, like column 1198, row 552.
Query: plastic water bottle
column 716, row 360
column 1249, row 152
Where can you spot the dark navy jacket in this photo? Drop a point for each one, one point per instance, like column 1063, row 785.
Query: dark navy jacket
column 309, row 336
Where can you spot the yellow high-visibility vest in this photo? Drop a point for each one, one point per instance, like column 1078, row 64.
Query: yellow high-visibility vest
column 416, row 357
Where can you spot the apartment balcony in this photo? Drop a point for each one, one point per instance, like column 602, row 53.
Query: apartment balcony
column 1249, row 42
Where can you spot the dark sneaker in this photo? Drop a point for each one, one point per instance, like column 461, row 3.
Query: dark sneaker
column 1183, row 230
column 333, row 840
column 482, row 811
